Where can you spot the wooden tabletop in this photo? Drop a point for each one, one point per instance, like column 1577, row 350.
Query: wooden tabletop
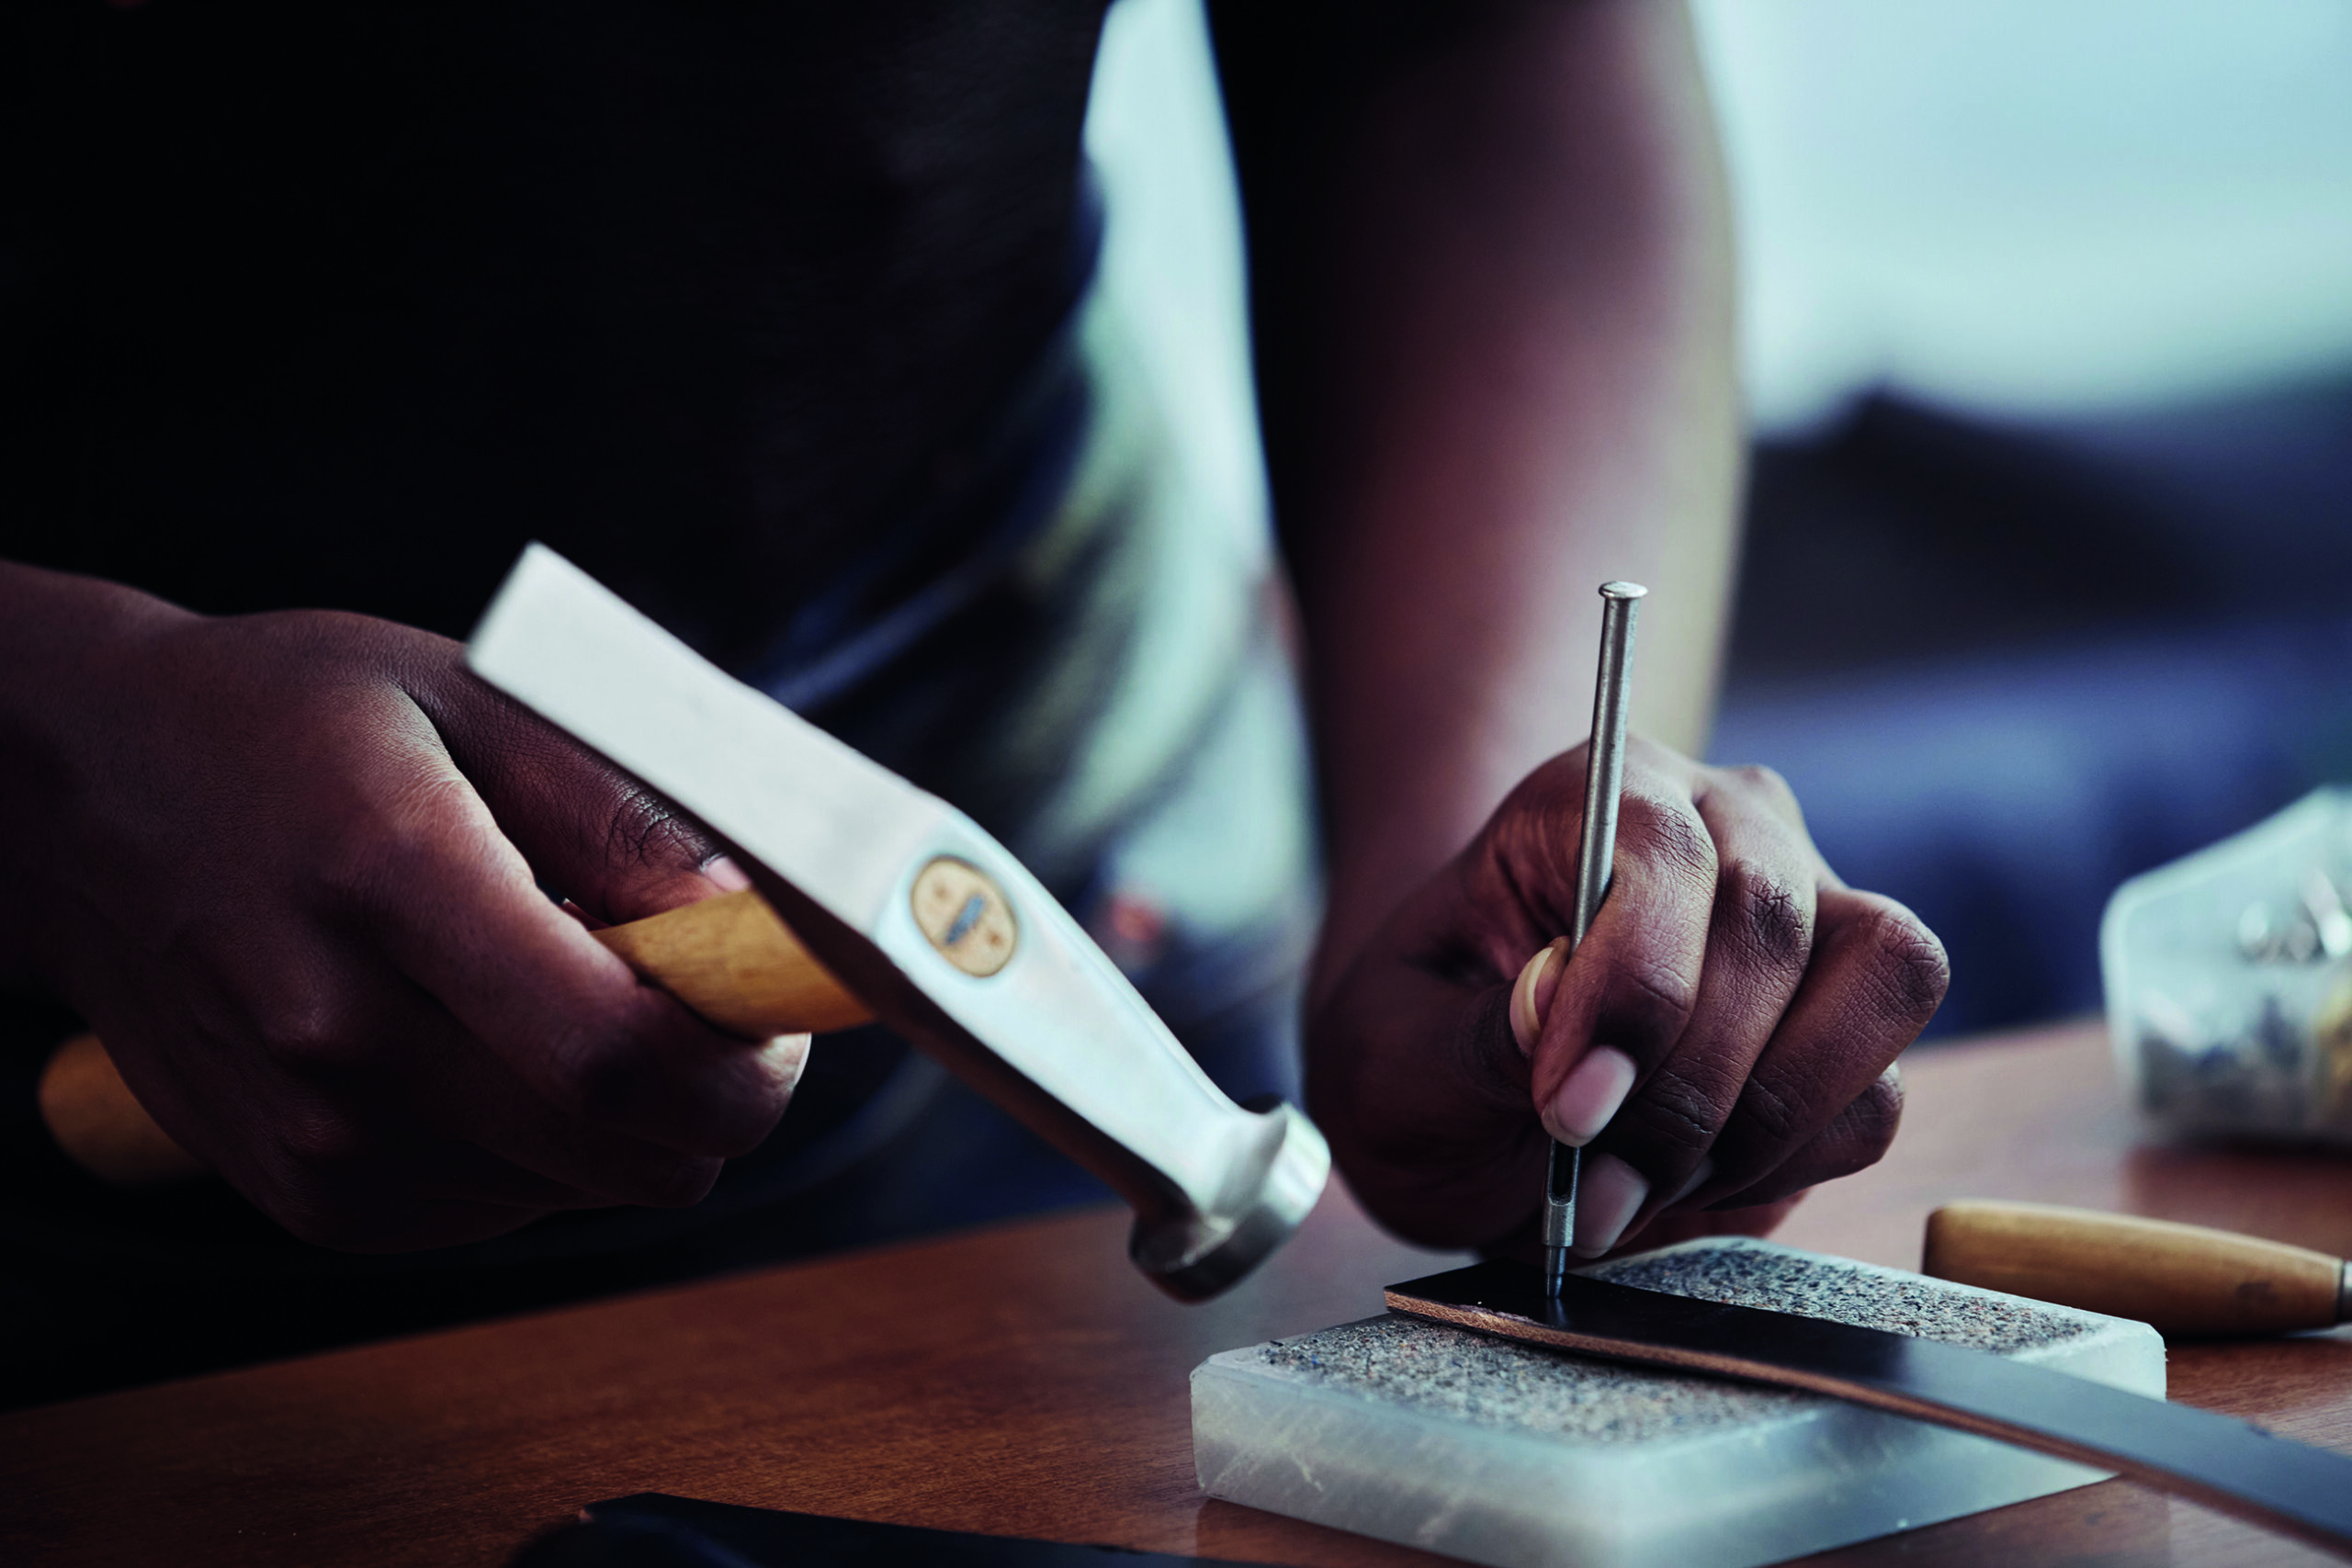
column 1024, row 1380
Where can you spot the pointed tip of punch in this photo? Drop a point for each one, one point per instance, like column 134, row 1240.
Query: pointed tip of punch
column 1555, row 1271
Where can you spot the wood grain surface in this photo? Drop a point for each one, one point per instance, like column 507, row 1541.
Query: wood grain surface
column 1025, row 1380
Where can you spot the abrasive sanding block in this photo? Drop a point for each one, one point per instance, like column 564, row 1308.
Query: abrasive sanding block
column 1514, row 1455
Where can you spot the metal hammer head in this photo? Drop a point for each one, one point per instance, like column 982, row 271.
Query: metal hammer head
column 930, row 920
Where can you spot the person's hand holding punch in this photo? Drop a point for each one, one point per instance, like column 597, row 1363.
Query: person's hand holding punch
column 1725, row 1038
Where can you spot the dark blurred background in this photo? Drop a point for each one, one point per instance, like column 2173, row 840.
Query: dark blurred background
column 2007, row 666
column 2048, row 320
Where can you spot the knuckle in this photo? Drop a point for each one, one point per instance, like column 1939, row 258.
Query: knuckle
column 642, row 830
column 1677, row 1114
column 1775, row 1117
column 1646, row 1004
column 1669, row 835
column 1855, row 1140
column 1759, row 780
column 1908, row 968
column 1771, row 918
column 1876, row 1115
column 303, row 1033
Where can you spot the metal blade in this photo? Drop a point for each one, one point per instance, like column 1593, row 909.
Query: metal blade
column 2225, row 1464
column 929, row 920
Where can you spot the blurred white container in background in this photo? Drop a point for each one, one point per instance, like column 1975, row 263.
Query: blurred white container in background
column 2229, row 979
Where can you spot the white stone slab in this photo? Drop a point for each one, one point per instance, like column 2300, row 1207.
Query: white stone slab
column 1515, row 1455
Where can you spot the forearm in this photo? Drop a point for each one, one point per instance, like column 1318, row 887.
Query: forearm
column 1512, row 380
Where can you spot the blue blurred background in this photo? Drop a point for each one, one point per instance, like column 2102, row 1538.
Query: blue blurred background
column 2048, row 336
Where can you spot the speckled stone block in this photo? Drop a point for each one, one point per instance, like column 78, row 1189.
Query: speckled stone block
column 1516, row 1456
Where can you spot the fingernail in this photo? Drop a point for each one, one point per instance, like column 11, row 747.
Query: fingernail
column 1530, row 998
column 786, row 1057
column 723, row 869
column 1698, row 1178
column 1596, row 1086
column 1609, row 1192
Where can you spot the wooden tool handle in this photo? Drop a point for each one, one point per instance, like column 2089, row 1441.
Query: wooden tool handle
column 101, row 1125
column 728, row 958
column 2182, row 1279
column 732, row 960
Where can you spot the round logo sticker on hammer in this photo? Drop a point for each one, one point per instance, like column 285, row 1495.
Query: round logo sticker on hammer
column 966, row 916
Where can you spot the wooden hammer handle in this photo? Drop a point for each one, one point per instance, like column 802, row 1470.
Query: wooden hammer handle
column 2183, row 1280
column 728, row 958
column 732, row 960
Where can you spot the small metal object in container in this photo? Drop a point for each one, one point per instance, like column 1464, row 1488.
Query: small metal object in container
column 2229, row 980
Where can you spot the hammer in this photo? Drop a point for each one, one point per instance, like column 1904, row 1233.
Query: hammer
column 870, row 898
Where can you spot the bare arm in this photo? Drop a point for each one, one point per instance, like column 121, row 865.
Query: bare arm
column 1493, row 302
column 1498, row 353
